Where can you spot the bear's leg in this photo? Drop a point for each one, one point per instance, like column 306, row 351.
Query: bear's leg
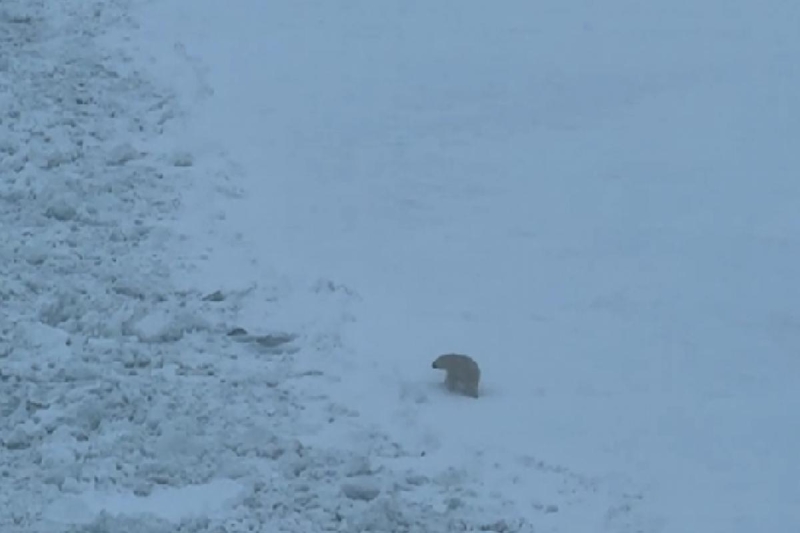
column 471, row 390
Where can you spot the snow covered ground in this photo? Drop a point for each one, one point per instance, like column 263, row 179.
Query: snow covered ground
column 234, row 235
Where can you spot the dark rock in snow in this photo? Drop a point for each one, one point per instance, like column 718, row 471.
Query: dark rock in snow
column 360, row 491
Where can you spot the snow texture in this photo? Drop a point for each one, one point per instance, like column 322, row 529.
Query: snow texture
column 234, row 236
column 127, row 404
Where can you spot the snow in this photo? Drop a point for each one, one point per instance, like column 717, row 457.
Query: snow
column 235, row 236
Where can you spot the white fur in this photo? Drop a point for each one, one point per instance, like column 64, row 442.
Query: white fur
column 463, row 373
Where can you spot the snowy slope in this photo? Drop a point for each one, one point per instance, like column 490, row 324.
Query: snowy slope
column 240, row 232
column 131, row 397
column 598, row 201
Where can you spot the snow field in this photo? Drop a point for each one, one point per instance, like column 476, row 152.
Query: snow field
column 137, row 392
column 235, row 235
column 595, row 201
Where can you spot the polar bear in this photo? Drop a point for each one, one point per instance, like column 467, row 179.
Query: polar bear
column 463, row 373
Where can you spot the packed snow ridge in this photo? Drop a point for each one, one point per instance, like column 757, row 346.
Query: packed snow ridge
column 128, row 405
